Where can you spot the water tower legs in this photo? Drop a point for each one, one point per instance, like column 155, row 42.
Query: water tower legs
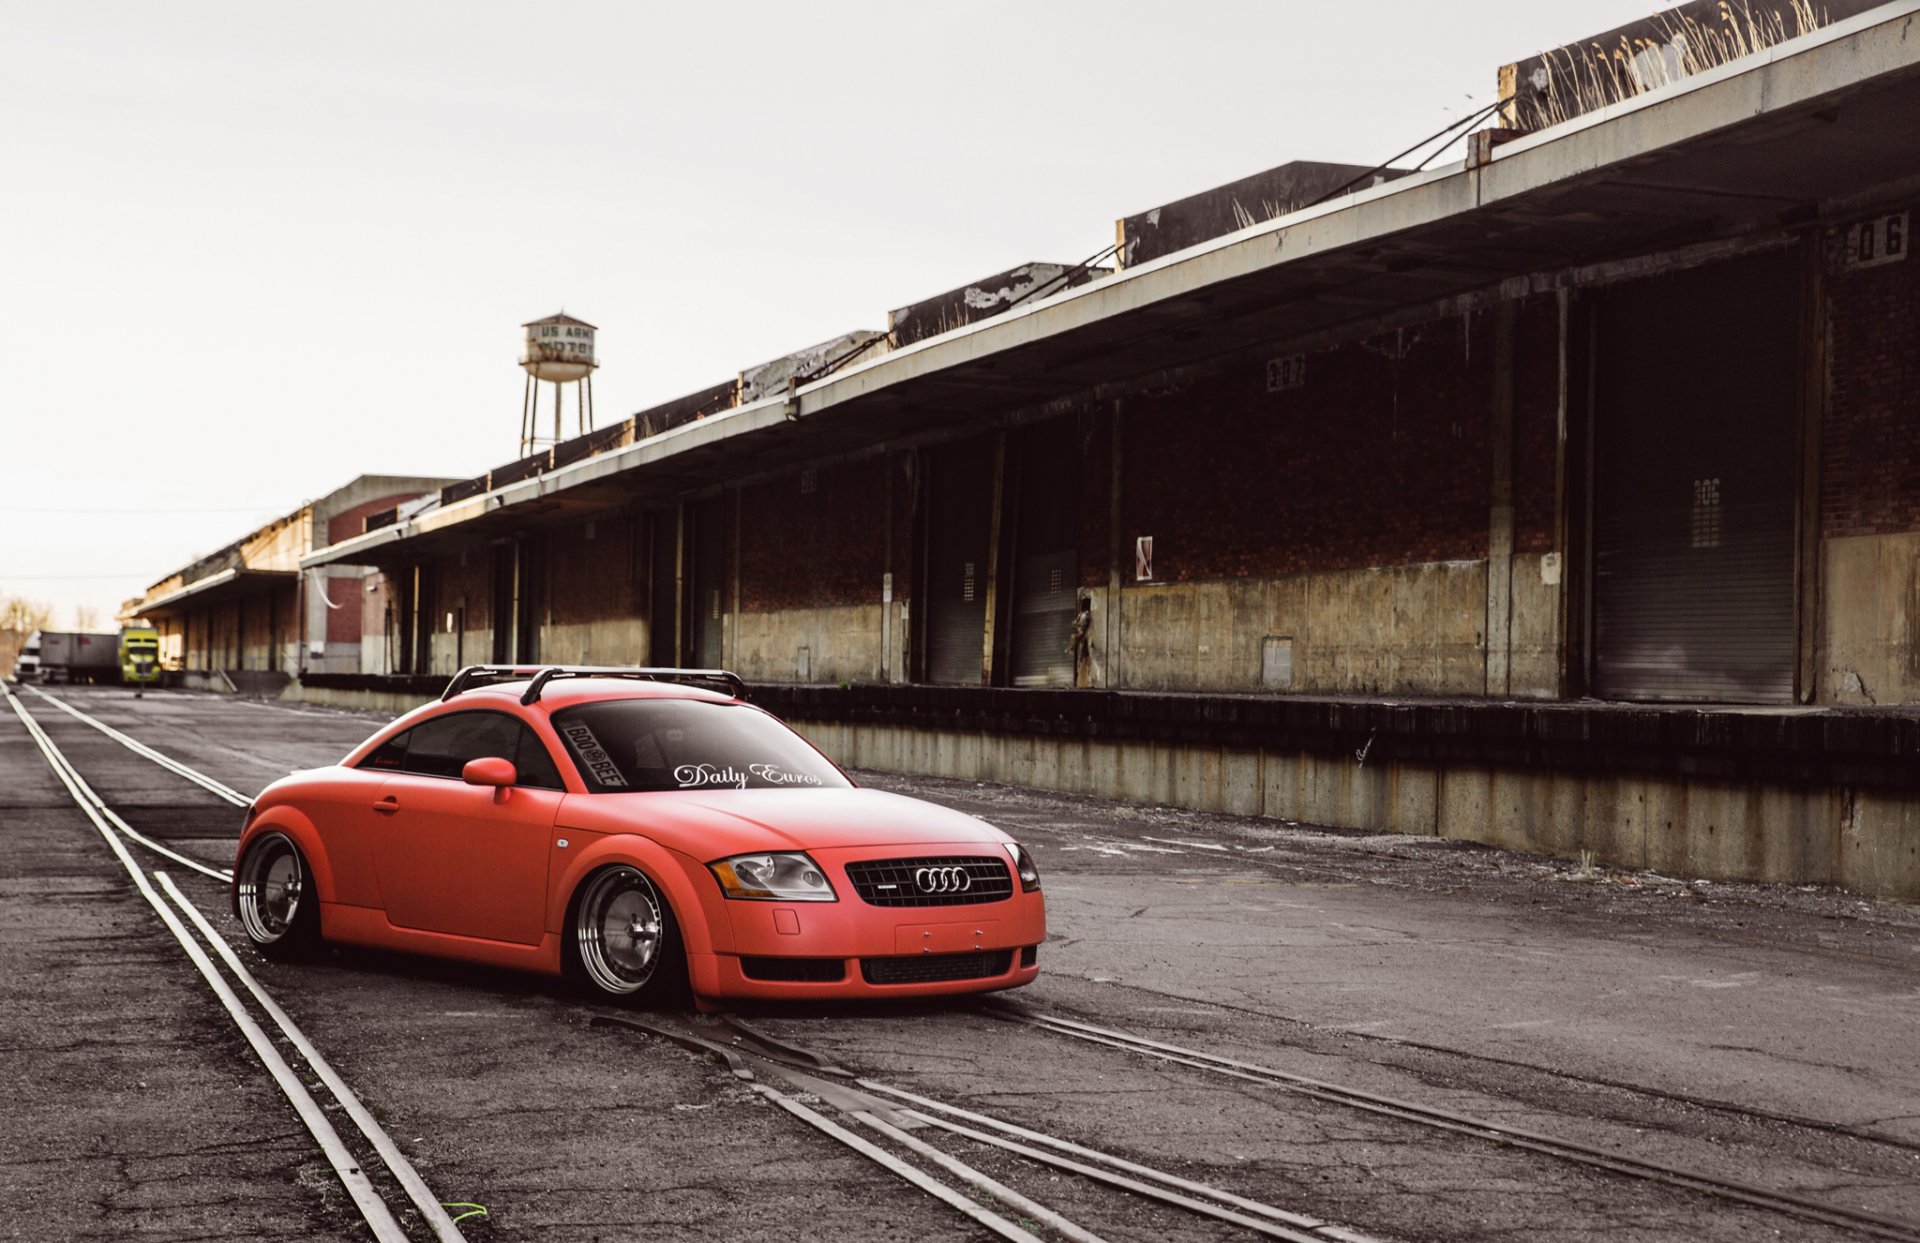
column 527, row 411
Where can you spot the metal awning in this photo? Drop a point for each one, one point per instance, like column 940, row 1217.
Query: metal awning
column 214, row 588
column 1772, row 141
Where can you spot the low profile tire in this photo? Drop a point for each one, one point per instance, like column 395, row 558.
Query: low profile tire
column 278, row 908
column 622, row 941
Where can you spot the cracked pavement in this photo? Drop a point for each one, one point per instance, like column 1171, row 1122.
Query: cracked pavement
column 1754, row 1033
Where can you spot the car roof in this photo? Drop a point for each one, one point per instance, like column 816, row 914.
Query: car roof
column 567, row 692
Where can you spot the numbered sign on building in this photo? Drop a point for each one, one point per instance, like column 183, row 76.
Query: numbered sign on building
column 1876, row 241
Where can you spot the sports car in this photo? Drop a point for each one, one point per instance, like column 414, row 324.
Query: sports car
column 642, row 834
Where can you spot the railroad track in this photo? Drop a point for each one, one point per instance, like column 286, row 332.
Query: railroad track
column 874, row 1119
column 228, row 978
column 1870, row 1224
column 880, row 1120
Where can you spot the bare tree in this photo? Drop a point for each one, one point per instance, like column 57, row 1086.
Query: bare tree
column 86, row 617
column 19, row 618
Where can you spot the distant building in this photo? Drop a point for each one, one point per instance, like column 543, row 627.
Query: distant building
column 1363, row 496
column 249, row 613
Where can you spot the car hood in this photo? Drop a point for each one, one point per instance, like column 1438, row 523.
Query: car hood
column 710, row 824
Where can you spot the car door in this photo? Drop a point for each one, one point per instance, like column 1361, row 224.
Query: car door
column 463, row 859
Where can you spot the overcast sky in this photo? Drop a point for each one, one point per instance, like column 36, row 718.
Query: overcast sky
column 256, row 249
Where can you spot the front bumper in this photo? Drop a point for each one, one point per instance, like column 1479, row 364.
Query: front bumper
column 789, row 950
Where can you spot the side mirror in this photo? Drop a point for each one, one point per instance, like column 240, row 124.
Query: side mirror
column 489, row 770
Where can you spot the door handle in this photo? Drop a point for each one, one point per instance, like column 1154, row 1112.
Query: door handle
column 387, row 806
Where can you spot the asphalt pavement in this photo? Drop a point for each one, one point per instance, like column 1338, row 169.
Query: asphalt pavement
column 1755, row 1034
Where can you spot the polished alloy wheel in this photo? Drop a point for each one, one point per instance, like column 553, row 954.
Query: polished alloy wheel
column 272, row 882
column 619, row 929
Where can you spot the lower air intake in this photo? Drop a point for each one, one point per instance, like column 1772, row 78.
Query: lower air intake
column 936, row 968
column 794, row 970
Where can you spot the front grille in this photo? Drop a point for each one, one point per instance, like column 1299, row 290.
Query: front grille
column 1029, row 955
column 892, row 882
column 794, row 970
column 934, row 968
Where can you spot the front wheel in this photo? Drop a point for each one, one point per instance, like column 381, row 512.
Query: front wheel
column 623, row 940
column 278, row 908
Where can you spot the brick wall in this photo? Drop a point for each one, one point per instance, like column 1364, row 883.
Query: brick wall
column 1870, row 452
column 1380, row 458
column 351, row 522
column 817, row 548
column 596, row 569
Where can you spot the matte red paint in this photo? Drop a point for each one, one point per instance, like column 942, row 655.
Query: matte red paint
column 476, row 870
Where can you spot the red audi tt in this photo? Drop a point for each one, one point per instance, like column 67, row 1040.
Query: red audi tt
column 643, row 835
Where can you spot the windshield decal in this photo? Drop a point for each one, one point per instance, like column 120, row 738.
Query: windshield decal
column 704, row 776
column 593, row 755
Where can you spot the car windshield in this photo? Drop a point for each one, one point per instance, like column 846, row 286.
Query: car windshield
column 688, row 744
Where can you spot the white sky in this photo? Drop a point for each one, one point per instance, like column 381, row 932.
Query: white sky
column 255, row 249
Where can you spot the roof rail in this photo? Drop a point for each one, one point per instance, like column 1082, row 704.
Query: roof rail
column 474, row 676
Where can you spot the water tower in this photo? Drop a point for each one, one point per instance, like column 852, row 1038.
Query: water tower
column 559, row 350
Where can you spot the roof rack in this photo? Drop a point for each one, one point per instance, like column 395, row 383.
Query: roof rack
column 475, row 676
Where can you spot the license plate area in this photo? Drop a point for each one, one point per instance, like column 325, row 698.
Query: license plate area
column 974, row 934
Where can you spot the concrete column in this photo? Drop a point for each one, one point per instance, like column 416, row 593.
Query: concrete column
column 1499, row 627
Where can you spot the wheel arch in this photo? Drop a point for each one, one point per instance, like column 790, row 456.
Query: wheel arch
column 298, row 829
column 670, row 873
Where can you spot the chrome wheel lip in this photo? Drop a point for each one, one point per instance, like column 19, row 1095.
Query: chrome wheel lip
column 619, row 929
column 271, row 882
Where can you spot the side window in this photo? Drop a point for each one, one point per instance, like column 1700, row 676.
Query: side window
column 534, row 763
column 441, row 747
column 390, row 755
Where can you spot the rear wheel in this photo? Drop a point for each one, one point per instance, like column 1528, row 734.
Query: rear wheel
column 278, row 908
column 623, row 940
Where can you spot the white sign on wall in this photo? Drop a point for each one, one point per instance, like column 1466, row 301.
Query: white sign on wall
column 1876, row 241
column 1143, row 559
column 1286, row 373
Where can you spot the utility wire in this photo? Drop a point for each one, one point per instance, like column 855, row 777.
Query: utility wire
column 1377, row 169
column 1083, row 265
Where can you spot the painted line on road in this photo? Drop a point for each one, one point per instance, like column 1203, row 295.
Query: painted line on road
column 372, row 1208
column 167, row 762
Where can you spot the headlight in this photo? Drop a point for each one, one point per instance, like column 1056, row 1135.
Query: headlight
column 773, row 877
column 1023, row 864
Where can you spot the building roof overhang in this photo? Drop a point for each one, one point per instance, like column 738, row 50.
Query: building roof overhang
column 1815, row 127
column 213, row 589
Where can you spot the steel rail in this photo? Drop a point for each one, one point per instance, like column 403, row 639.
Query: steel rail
column 880, row 1156
column 432, row 1211
column 167, row 762
column 352, row 1177
column 1150, row 1183
column 1498, row 1133
column 1174, row 1181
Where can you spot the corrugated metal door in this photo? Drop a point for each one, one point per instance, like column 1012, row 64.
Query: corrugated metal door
column 1694, row 489
column 959, row 522
column 1046, row 560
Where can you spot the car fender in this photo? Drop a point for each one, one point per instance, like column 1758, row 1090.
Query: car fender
column 284, row 819
column 700, row 931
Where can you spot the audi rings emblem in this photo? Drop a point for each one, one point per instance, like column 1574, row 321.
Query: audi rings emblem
column 942, row 880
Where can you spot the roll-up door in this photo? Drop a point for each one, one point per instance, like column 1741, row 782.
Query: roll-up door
column 959, row 520
column 1697, row 396
column 1046, row 557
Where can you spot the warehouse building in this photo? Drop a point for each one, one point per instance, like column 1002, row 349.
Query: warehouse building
column 249, row 617
column 1399, row 499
